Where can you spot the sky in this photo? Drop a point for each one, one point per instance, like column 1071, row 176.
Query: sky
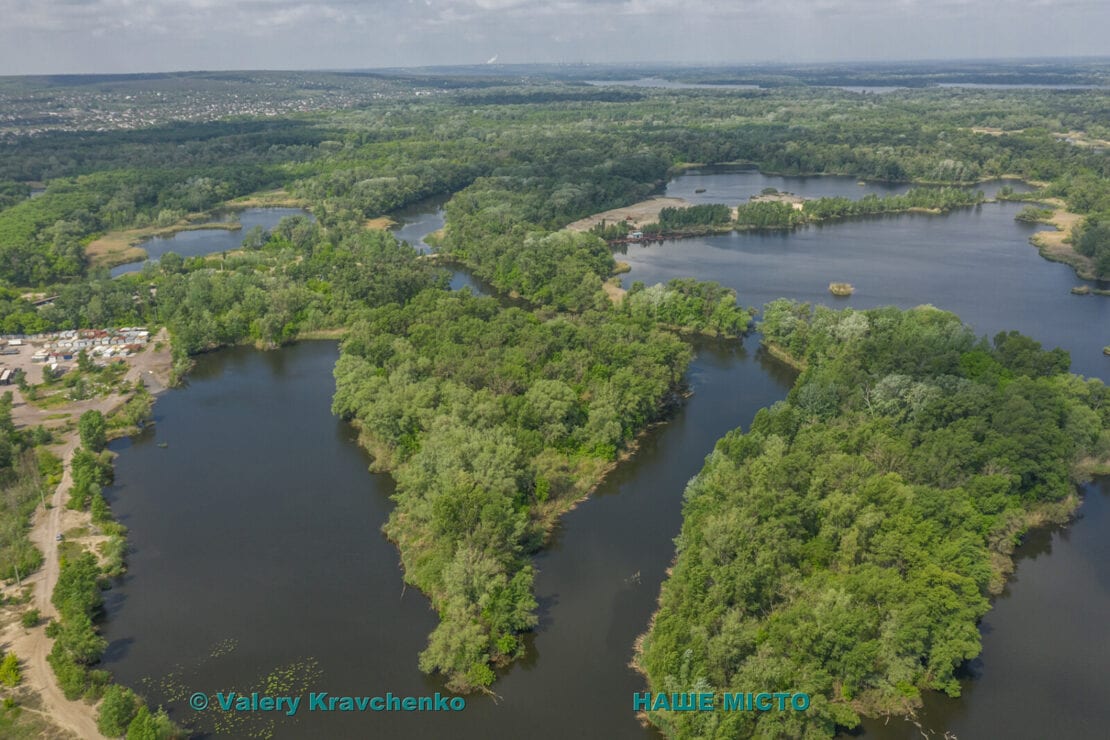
column 102, row 36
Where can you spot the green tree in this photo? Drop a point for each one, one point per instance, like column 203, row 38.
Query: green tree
column 93, row 430
column 143, row 726
column 117, row 710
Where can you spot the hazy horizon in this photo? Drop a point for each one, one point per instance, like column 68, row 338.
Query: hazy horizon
column 128, row 36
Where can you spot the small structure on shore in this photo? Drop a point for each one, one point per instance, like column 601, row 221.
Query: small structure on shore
column 841, row 289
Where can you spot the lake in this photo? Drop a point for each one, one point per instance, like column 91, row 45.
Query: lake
column 258, row 550
column 199, row 242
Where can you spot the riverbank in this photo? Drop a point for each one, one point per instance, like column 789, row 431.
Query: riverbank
column 122, row 247
column 1056, row 245
column 636, row 215
column 59, row 524
column 730, row 532
column 279, row 198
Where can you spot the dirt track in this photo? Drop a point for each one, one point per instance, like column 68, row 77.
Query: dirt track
column 32, row 646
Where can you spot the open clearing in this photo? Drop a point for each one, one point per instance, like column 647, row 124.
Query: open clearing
column 637, row 214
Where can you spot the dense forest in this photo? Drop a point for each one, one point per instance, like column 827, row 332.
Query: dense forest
column 547, row 163
column 898, row 419
column 494, row 421
column 847, row 544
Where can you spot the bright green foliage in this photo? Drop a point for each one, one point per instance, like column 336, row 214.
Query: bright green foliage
column 149, row 725
column 142, row 727
column 847, row 544
column 20, row 490
column 93, row 430
column 10, row 674
column 77, row 643
column 689, row 305
column 77, row 592
column 90, row 472
column 493, row 420
column 118, row 708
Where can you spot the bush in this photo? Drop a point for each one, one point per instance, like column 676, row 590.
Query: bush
column 31, row 618
column 72, row 677
column 10, row 675
column 117, row 711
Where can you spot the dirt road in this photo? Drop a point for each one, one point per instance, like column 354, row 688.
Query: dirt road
column 32, row 646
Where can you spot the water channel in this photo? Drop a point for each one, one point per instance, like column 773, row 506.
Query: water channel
column 256, row 529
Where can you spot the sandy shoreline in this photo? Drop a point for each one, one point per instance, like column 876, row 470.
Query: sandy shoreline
column 638, row 214
column 1055, row 246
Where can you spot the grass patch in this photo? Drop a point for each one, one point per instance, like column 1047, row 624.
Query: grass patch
column 68, row 550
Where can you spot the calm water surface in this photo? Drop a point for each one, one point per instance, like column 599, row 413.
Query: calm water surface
column 257, row 546
column 257, row 528
column 200, row 242
column 420, row 220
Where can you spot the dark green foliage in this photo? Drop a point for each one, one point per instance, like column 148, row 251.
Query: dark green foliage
column 489, row 232
column 302, row 280
column 1094, row 242
column 931, row 199
column 768, row 215
column 690, row 219
column 549, row 163
column 1034, row 214
column 846, row 545
column 12, row 193
column 493, row 421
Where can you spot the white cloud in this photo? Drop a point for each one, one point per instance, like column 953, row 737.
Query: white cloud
column 58, row 35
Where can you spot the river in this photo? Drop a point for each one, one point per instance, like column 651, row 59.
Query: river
column 423, row 218
column 270, row 555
